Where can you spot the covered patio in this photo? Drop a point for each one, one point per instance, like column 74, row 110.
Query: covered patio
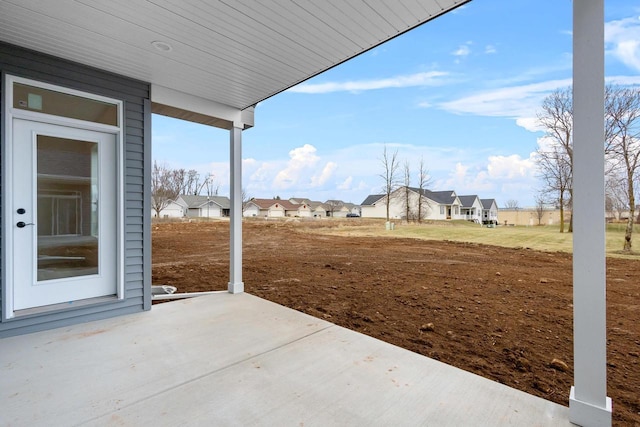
column 233, row 359
column 240, row 360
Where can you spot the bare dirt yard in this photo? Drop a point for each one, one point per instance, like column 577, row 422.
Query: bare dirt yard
column 505, row 314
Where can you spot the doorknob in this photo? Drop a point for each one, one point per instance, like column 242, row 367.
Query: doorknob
column 23, row 224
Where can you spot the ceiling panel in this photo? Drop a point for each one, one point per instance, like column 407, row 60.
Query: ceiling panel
column 234, row 52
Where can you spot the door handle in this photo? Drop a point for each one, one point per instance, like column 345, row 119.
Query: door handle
column 22, row 224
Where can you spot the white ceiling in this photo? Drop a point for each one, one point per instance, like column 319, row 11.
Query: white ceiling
column 233, row 52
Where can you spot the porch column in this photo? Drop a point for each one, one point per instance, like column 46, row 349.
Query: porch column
column 236, row 285
column 588, row 402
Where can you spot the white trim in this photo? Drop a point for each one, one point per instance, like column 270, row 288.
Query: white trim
column 184, row 101
column 11, row 113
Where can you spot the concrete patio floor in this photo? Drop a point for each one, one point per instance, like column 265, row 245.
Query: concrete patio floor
column 225, row 359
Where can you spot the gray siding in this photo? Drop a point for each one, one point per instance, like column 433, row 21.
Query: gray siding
column 137, row 158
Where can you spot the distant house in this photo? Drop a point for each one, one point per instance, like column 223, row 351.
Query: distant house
column 489, row 211
column 353, row 209
column 299, row 201
column 318, row 209
column 435, row 204
column 448, row 204
column 205, row 206
column 471, row 208
column 172, row 210
column 274, row 208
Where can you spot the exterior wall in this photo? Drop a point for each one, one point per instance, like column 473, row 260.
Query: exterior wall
column 173, row 210
column 529, row 217
column 137, row 198
column 251, row 210
column 397, row 208
column 474, row 212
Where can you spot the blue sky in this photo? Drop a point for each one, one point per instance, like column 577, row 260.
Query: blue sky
column 462, row 92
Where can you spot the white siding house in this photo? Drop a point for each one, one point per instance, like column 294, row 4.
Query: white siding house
column 173, row 210
column 489, row 211
column 471, row 208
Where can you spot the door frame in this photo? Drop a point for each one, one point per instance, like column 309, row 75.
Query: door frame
column 8, row 114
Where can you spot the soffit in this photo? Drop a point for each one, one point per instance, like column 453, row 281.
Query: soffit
column 233, row 52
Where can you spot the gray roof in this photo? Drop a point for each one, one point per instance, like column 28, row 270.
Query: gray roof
column 197, row 201
column 467, row 201
column 442, row 197
column 371, row 199
column 486, row 203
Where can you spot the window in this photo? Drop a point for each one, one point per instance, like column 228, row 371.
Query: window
column 31, row 98
column 441, row 210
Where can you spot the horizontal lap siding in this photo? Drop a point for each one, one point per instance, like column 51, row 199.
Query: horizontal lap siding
column 137, row 240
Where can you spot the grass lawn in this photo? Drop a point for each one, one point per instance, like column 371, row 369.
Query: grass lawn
column 544, row 238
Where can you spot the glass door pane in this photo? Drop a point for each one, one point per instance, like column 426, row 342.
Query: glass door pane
column 67, row 199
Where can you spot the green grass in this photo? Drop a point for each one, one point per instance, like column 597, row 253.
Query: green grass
column 544, row 238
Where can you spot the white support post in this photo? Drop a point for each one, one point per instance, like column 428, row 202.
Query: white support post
column 588, row 401
column 236, row 285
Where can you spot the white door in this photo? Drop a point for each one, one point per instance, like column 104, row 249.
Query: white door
column 64, row 230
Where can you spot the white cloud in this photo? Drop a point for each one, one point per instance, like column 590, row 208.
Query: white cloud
column 463, row 50
column 346, row 184
column 511, row 167
column 323, row 177
column 622, row 39
column 301, row 159
column 514, row 101
column 431, row 78
column 499, row 177
column 489, row 49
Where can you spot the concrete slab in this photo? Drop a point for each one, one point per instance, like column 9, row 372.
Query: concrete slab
column 240, row 360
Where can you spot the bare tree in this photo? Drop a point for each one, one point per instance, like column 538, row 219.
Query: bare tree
column 389, row 176
column 540, row 207
column 423, row 182
column 556, row 162
column 333, row 205
column 406, row 168
column 192, row 182
column 622, row 112
column 166, row 185
column 554, row 168
column 512, row 204
column 245, row 199
column 616, row 197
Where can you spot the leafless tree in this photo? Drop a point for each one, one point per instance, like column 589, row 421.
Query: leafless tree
column 406, row 169
column 245, row 199
column 512, row 204
column 555, row 163
column 166, row 185
column 554, row 169
column 540, row 207
column 622, row 112
column 389, row 175
column 423, row 182
column 616, row 197
column 333, row 206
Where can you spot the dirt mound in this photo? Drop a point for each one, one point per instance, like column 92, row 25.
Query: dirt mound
column 505, row 314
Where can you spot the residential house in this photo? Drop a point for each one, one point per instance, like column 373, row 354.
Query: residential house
column 205, row 206
column 318, row 209
column 435, row 204
column 174, row 209
column 274, row 208
column 489, row 211
column 299, row 201
column 336, row 208
column 471, row 208
column 448, row 204
column 353, row 208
